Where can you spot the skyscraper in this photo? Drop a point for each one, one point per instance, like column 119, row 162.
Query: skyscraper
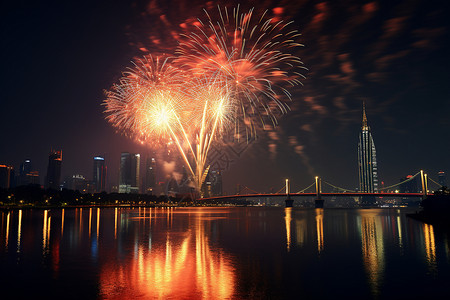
column 367, row 159
column 99, row 175
column 25, row 168
column 150, row 176
column 129, row 172
column 54, row 170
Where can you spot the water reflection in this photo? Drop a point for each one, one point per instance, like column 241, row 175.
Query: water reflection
column 430, row 246
column 372, row 247
column 184, row 266
column 399, row 228
column 62, row 222
column 287, row 220
column 98, row 222
column 300, row 230
column 115, row 223
column 19, row 231
column 7, row 231
column 319, row 228
column 222, row 253
column 46, row 233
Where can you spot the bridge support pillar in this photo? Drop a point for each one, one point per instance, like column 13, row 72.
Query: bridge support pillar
column 289, row 202
column 318, row 203
column 424, row 180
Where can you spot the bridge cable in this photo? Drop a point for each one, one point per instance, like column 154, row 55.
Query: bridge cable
column 397, row 184
column 440, row 185
column 301, row 191
column 250, row 189
column 339, row 188
column 283, row 187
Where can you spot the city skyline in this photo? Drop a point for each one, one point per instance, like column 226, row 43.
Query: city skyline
column 404, row 89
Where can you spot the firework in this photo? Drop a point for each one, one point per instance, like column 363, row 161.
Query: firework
column 155, row 101
column 225, row 74
column 253, row 54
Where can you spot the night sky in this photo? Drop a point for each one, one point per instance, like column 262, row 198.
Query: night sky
column 58, row 58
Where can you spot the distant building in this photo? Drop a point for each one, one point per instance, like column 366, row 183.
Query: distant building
column 77, row 182
column 99, row 175
column 442, row 179
column 25, row 168
column 6, row 176
column 27, row 175
column 215, row 177
column 129, row 172
column 213, row 184
column 367, row 159
column 54, row 170
column 150, row 176
column 206, row 187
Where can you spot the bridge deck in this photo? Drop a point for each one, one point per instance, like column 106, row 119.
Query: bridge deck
column 294, row 195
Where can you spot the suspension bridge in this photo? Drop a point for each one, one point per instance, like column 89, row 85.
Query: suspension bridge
column 340, row 192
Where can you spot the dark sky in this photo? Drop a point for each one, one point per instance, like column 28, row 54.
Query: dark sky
column 58, row 58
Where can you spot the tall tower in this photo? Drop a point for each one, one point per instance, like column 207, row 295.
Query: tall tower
column 367, row 159
column 54, row 170
column 129, row 173
column 99, row 175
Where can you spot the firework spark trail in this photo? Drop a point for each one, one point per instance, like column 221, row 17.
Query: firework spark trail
column 228, row 72
column 251, row 54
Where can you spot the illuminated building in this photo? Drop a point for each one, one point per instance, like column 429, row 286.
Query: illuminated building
column 6, row 176
column 367, row 159
column 99, row 175
column 129, row 173
column 442, row 180
column 150, row 176
column 54, row 170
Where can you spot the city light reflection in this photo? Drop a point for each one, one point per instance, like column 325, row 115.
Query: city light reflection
column 287, row 220
column 62, row 222
column 115, row 223
column 90, row 222
column 300, row 230
column 98, row 222
column 46, row 233
column 430, row 246
column 319, row 227
column 372, row 248
column 399, row 228
column 19, row 231
column 7, row 231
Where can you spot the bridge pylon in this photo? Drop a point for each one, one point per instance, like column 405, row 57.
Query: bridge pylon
column 424, row 180
column 289, row 202
column 318, row 203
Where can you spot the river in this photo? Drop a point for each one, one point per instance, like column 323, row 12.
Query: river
column 221, row 253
